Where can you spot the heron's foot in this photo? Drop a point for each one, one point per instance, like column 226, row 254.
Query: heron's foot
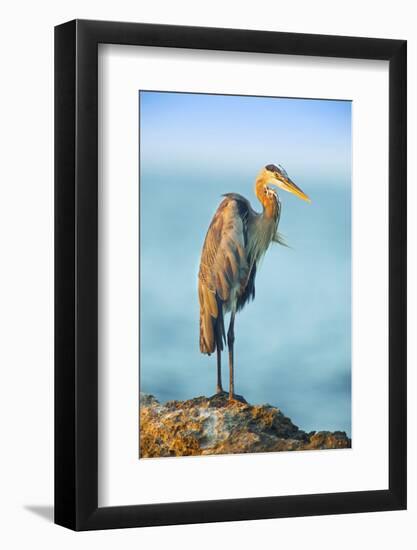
column 223, row 399
column 220, row 395
column 235, row 398
column 220, row 390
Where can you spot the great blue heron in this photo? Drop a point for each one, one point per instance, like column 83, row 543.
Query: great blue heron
column 236, row 240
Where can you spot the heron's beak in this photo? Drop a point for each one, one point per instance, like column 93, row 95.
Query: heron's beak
column 288, row 185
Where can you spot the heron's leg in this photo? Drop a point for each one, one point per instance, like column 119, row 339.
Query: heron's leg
column 230, row 342
column 219, row 388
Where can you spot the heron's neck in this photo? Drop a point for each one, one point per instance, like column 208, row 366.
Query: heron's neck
column 267, row 199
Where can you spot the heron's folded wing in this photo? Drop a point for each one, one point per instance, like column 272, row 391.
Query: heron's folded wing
column 223, row 267
column 223, row 260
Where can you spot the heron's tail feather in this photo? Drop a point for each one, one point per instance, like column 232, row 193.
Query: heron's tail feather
column 207, row 341
column 212, row 333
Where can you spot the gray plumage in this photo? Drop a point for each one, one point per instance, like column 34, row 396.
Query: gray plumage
column 236, row 240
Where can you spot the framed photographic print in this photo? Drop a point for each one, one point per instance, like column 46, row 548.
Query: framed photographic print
column 230, row 274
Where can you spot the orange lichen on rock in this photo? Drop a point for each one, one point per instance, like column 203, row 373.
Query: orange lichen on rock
column 207, row 426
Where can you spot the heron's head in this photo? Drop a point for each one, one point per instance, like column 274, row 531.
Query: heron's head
column 276, row 175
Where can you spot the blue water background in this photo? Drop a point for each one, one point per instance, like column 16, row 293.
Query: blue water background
column 293, row 343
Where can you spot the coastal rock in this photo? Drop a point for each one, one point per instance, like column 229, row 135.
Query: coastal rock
column 207, row 426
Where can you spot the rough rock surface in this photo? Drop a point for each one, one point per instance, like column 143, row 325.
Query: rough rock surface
column 206, row 426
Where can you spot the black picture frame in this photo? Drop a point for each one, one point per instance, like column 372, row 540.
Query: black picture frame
column 76, row 273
